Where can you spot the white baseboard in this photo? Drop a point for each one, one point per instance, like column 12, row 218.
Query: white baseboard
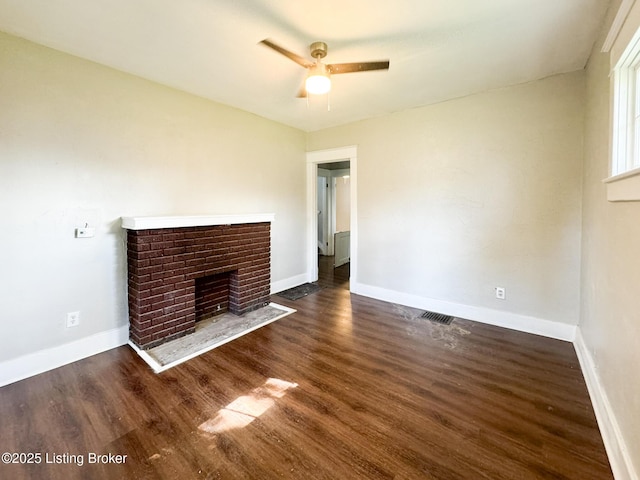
column 41, row 361
column 614, row 443
column 514, row 321
column 287, row 283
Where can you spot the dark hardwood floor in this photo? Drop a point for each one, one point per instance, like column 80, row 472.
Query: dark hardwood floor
column 347, row 387
column 332, row 277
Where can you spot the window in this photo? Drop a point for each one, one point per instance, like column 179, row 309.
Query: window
column 623, row 183
column 626, row 127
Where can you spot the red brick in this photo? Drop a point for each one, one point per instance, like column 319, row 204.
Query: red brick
column 158, row 259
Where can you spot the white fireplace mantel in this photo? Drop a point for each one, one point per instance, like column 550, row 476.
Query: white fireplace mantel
column 148, row 223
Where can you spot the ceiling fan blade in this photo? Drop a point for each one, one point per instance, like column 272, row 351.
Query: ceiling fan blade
column 290, row 55
column 337, row 68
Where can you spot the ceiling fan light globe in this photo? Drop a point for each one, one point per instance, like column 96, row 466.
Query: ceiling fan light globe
column 318, row 84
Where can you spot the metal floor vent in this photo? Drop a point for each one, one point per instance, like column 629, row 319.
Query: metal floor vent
column 437, row 318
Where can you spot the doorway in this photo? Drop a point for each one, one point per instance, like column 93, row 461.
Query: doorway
column 335, row 165
column 334, row 211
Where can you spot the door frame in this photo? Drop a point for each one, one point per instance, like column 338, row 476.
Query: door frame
column 314, row 159
column 324, row 246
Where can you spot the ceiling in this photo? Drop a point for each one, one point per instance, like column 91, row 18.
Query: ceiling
column 335, row 165
column 438, row 49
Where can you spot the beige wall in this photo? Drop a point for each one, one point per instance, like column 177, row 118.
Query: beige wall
column 457, row 198
column 610, row 308
column 83, row 143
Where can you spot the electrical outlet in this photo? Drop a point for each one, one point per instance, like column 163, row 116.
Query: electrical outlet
column 501, row 293
column 73, row 319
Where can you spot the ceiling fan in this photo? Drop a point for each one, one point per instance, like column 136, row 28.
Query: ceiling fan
column 319, row 74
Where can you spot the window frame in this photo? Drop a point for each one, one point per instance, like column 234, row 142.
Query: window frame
column 622, row 184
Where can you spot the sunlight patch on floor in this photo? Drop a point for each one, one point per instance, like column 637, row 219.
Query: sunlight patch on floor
column 246, row 408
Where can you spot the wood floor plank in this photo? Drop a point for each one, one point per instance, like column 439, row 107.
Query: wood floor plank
column 347, row 387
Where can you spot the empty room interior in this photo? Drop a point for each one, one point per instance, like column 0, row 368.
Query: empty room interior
column 413, row 227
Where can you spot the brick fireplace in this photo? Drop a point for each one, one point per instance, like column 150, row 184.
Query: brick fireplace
column 185, row 269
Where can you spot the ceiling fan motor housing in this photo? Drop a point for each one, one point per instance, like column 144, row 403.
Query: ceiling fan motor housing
column 318, row 49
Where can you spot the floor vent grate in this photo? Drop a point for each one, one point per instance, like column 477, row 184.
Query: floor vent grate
column 437, row 318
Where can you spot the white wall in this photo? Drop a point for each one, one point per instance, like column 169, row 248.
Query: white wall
column 610, row 313
column 457, row 198
column 343, row 203
column 84, row 143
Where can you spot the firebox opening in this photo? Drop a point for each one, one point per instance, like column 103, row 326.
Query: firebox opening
column 212, row 294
